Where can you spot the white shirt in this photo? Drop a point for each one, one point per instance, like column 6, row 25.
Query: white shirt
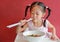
column 41, row 28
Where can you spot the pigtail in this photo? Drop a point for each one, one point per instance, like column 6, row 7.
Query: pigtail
column 26, row 11
column 49, row 11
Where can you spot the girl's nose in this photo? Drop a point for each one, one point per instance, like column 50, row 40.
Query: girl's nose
column 35, row 16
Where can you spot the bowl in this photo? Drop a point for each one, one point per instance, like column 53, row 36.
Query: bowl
column 34, row 36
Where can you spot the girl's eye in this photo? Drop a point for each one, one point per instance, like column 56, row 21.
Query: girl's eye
column 35, row 13
column 32, row 13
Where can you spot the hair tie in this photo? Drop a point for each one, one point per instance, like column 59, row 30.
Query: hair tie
column 29, row 4
column 47, row 7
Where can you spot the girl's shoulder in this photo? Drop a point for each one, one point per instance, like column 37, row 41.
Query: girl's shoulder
column 47, row 22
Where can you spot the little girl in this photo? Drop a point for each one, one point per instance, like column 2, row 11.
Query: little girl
column 37, row 12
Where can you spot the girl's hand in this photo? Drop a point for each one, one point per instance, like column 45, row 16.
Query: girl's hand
column 54, row 37
column 23, row 22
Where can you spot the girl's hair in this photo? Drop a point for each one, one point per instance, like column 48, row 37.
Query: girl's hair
column 43, row 9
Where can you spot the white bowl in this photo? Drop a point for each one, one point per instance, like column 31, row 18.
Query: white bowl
column 33, row 39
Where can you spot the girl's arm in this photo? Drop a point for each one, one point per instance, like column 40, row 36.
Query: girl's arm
column 21, row 29
column 53, row 30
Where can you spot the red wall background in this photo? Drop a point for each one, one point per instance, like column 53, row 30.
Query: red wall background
column 12, row 11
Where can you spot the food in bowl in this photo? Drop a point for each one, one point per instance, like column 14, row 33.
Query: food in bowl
column 34, row 35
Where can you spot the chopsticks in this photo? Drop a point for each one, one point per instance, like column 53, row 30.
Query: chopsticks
column 15, row 24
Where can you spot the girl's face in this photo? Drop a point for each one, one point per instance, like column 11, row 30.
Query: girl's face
column 37, row 13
